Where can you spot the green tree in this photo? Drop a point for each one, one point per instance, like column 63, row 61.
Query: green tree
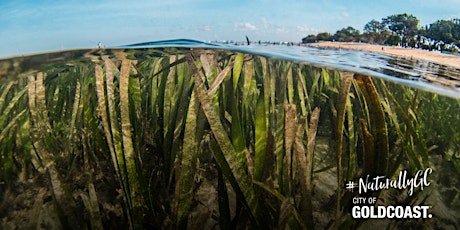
column 444, row 30
column 456, row 31
column 309, row 39
column 324, row 36
column 393, row 40
column 404, row 25
column 374, row 26
column 375, row 32
column 348, row 34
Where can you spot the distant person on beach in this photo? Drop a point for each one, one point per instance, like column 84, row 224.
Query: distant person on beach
column 99, row 45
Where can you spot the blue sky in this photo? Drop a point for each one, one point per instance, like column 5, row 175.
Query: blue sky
column 44, row 25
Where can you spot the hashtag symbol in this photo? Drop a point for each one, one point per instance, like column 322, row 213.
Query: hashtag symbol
column 350, row 185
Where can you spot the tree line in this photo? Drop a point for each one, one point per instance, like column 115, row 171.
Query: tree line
column 399, row 29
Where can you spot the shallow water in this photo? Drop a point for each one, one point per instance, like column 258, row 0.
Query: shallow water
column 183, row 133
column 443, row 80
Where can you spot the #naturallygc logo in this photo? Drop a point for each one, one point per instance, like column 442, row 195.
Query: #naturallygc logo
column 365, row 205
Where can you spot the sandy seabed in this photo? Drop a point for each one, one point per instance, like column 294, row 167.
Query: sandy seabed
column 432, row 56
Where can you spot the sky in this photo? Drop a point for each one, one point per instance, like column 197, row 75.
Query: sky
column 32, row 26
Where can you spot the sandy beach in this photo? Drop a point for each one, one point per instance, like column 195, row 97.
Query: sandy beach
column 436, row 57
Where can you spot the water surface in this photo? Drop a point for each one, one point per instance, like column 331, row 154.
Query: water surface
column 441, row 79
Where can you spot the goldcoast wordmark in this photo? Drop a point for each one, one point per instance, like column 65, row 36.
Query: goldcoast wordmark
column 420, row 180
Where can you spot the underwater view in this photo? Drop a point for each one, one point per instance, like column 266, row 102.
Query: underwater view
column 183, row 134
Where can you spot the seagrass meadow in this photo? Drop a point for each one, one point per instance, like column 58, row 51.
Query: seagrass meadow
column 175, row 138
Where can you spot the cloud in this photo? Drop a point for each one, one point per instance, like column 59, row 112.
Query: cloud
column 245, row 26
column 269, row 27
column 305, row 29
column 207, row 28
column 282, row 30
column 265, row 23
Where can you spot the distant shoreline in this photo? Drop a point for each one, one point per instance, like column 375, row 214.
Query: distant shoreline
column 432, row 56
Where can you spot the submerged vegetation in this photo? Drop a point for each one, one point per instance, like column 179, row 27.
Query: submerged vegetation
column 169, row 138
